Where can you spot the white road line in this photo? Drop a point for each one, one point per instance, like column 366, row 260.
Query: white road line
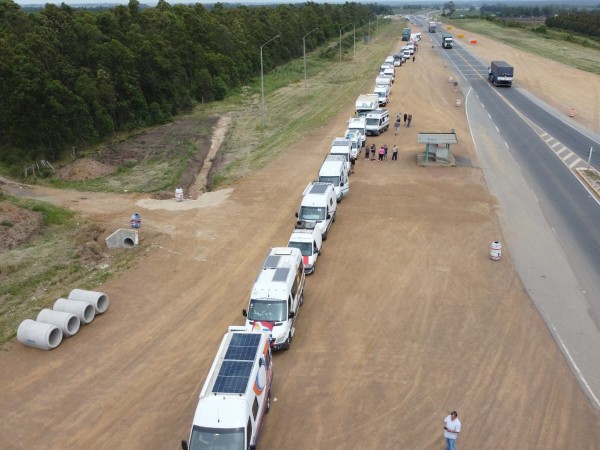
column 497, row 129
column 561, row 150
column 506, row 145
column 574, row 163
column 568, row 156
column 489, row 115
column 543, row 135
column 556, row 144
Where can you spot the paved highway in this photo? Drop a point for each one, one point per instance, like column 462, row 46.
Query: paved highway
column 551, row 221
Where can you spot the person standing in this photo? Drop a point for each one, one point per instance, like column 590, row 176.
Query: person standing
column 385, row 147
column 414, row 58
column 395, row 153
column 409, row 120
column 397, row 123
column 373, row 152
column 405, row 117
column 451, row 430
column 367, row 151
column 381, row 153
column 352, row 163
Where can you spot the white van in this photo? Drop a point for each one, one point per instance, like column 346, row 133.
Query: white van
column 406, row 53
column 277, row 295
column 307, row 238
column 390, row 73
column 356, row 139
column 318, row 205
column 342, row 146
column 389, row 60
column 359, row 124
column 378, row 121
column 334, row 171
column 383, row 93
column 383, row 80
column 231, row 409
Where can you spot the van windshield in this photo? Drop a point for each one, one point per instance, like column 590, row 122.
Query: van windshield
column 267, row 310
column 333, row 180
column 374, row 121
column 346, row 155
column 216, row 438
column 311, row 213
column 304, row 247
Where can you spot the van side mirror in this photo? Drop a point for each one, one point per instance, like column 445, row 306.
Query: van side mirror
column 328, row 216
column 292, row 314
column 184, row 445
column 342, row 184
column 296, row 214
column 244, row 313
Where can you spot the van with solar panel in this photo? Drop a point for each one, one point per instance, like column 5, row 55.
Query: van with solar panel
column 277, row 295
column 335, row 171
column 318, row 205
column 236, row 394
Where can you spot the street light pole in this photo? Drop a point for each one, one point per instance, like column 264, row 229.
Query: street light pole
column 262, row 79
column 354, row 53
column 345, row 26
column 304, row 55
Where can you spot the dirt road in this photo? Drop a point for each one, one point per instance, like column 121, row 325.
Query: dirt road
column 405, row 319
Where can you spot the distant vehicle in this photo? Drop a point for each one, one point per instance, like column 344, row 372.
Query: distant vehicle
column 406, row 34
column 231, row 409
column 318, row 205
column 335, row 171
column 432, row 27
column 366, row 103
column 501, row 73
column 447, row 40
column 384, row 94
column 359, row 124
column 389, row 60
column 378, row 121
column 306, row 237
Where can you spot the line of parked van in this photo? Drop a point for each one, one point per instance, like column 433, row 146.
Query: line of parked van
column 237, row 392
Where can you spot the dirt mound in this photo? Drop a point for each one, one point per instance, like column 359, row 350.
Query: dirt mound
column 17, row 225
column 85, row 169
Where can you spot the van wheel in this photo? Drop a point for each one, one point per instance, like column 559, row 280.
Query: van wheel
column 288, row 343
column 268, row 405
column 301, row 302
column 333, row 218
column 324, row 236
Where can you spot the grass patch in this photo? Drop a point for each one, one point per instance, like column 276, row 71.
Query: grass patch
column 52, row 215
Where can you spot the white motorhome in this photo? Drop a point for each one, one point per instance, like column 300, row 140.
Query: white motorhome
column 277, row 295
column 318, row 205
column 406, row 53
column 356, row 140
column 342, row 146
column 384, row 94
column 366, row 103
column 359, row 124
column 378, row 121
column 383, row 67
column 390, row 73
column 335, row 171
column 236, row 394
column 383, row 80
column 389, row 60
column 307, row 238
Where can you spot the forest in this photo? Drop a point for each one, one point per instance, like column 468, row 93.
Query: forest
column 71, row 77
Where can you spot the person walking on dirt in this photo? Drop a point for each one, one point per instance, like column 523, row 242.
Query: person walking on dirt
column 352, row 163
column 397, row 123
column 405, row 117
column 413, row 59
column 451, row 430
column 409, row 120
column 395, row 153
column 372, row 152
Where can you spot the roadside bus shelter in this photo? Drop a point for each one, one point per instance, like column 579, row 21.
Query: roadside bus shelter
column 437, row 147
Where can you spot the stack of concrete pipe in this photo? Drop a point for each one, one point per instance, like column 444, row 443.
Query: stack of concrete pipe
column 64, row 320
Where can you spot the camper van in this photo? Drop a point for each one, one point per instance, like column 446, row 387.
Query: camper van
column 360, row 125
column 335, row 171
column 318, row 205
column 378, row 121
column 356, row 139
column 384, row 94
column 277, row 295
column 231, row 409
column 342, row 146
column 306, row 237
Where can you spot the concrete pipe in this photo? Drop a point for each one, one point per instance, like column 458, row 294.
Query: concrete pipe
column 39, row 335
column 98, row 299
column 83, row 310
column 67, row 322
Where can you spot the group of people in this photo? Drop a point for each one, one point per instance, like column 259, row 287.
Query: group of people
column 398, row 122
column 383, row 152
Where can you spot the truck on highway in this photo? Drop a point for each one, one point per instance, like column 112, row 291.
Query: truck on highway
column 406, row 34
column 447, row 40
column 500, row 73
column 365, row 103
column 432, row 27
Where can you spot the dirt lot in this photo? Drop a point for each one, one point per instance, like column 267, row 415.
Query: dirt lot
column 405, row 319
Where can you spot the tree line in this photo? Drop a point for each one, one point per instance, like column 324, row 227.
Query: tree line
column 70, row 77
column 587, row 24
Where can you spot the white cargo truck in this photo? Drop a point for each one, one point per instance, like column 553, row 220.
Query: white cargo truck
column 307, row 238
column 335, row 171
column 366, row 103
column 277, row 295
column 318, row 205
column 236, row 394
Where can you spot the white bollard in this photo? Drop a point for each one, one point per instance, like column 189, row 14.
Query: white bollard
column 458, row 102
column 67, row 322
column 99, row 300
column 85, row 311
column 449, row 79
column 179, row 194
column 495, row 251
column 39, row 335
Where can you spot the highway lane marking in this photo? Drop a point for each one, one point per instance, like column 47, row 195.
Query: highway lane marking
column 556, row 144
column 567, row 156
column 574, row 163
column 561, row 150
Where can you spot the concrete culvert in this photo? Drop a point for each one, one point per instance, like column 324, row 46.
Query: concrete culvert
column 85, row 311
column 128, row 242
column 39, row 335
column 67, row 322
column 98, row 299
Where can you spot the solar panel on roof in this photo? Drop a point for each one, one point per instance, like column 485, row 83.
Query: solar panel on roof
column 341, row 142
column 281, row 274
column 271, row 261
column 236, row 368
column 319, row 188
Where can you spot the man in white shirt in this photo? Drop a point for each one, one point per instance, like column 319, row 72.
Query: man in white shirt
column 451, row 430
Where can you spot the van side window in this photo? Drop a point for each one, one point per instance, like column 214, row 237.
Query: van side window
column 255, row 407
column 268, row 360
column 248, row 433
column 297, row 280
